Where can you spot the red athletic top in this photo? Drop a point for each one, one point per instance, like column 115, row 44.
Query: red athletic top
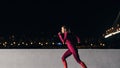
column 69, row 36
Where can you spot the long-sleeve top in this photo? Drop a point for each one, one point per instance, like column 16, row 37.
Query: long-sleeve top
column 69, row 36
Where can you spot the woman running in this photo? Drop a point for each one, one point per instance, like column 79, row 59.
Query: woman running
column 68, row 39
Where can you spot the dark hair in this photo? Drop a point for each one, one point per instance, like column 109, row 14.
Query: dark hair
column 66, row 27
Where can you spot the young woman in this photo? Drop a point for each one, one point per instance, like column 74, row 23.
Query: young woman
column 68, row 39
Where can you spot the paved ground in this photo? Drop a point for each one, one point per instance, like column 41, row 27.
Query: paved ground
column 51, row 58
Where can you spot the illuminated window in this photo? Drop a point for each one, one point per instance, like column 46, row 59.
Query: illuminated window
column 31, row 43
column 14, row 42
column 46, row 43
column 18, row 44
column 39, row 43
column 26, row 44
column 53, row 43
column 22, row 42
column 5, row 42
column 103, row 44
column 11, row 44
column 42, row 44
column 91, row 44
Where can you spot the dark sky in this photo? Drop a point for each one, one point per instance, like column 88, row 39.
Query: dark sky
column 86, row 18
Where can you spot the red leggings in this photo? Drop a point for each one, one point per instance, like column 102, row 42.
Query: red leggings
column 72, row 50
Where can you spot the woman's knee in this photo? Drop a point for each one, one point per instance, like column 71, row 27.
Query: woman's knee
column 78, row 61
column 63, row 58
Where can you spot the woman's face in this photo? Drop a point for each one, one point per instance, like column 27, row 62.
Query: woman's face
column 63, row 29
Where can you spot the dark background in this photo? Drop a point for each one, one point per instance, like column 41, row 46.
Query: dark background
column 86, row 18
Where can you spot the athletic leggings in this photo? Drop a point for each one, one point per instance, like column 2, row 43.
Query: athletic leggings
column 72, row 50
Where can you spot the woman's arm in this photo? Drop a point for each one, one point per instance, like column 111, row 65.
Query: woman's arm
column 78, row 39
column 62, row 40
column 65, row 36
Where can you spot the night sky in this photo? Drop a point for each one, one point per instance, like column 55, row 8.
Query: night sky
column 86, row 18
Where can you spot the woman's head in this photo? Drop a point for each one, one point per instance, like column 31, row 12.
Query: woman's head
column 65, row 29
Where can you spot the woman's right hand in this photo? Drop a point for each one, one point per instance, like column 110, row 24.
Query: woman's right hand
column 59, row 32
column 63, row 43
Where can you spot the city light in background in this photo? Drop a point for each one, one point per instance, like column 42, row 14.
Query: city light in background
column 112, row 31
column 14, row 42
column 115, row 29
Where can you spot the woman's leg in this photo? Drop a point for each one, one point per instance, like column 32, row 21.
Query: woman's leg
column 65, row 55
column 76, row 55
